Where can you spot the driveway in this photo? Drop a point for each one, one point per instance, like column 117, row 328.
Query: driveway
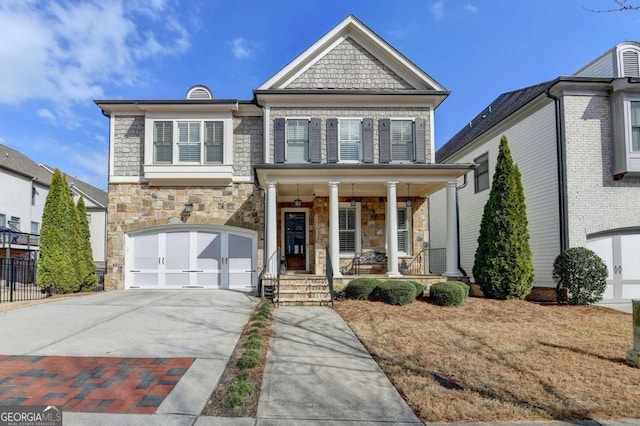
column 153, row 352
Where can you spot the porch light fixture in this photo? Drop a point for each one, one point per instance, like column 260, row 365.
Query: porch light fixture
column 186, row 211
column 297, row 201
column 353, row 200
column 408, row 199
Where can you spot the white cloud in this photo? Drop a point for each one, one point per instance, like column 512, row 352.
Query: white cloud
column 241, row 49
column 470, row 8
column 48, row 115
column 68, row 51
column 91, row 167
column 437, row 10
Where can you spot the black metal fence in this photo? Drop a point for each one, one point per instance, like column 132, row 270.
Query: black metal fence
column 18, row 281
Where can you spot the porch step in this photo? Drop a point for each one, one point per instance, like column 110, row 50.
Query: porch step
column 301, row 290
column 312, row 301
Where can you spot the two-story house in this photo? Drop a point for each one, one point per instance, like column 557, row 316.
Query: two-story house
column 576, row 140
column 23, row 193
column 332, row 157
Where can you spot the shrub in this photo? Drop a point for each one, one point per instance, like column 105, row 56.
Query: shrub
column 249, row 359
column 265, row 309
column 580, row 274
column 238, row 391
column 396, row 292
column 446, row 294
column 260, row 317
column 361, row 288
column 419, row 289
column 258, row 324
column 253, row 344
column 463, row 286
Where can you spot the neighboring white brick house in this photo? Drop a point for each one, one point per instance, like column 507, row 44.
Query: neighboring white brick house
column 575, row 140
column 334, row 151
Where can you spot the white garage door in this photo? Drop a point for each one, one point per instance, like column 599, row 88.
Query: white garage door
column 191, row 259
column 621, row 253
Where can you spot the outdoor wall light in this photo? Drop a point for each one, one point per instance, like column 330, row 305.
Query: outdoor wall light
column 186, row 211
column 353, row 200
column 297, row 201
column 408, row 199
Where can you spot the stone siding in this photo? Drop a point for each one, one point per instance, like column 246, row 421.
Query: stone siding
column 138, row 206
column 247, row 144
column 375, row 113
column 596, row 202
column 128, row 149
column 349, row 66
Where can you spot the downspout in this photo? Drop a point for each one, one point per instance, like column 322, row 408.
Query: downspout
column 464, row 184
column 562, row 174
column 264, row 209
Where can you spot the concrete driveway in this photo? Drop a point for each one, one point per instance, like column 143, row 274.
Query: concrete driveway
column 200, row 328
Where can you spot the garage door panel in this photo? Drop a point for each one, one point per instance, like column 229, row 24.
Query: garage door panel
column 240, row 261
column 603, row 247
column 146, row 252
column 176, row 279
column 208, row 280
column 629, row 256
column 177, row 255
column 145, row 280
column 209, row 249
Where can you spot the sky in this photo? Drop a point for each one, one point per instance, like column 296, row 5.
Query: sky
column 56, row 57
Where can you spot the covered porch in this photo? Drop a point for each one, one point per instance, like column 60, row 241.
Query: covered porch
column 366, row 219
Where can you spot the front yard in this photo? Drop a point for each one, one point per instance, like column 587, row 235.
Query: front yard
column 494, row 360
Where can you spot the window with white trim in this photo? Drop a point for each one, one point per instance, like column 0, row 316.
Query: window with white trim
column 401, row 140
column 349, row 229
column 349, row 139
column 297, row 140
column 3, row 220
column 404, row 231
column 188, row 142
column 635, row 126
column 35, row 228
column 481, row 173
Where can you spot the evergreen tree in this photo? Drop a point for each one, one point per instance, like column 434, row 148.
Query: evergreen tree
column 503, row 265
column 87, row 265
column 56, row 271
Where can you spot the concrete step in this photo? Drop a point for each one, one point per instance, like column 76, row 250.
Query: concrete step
column 313, row 301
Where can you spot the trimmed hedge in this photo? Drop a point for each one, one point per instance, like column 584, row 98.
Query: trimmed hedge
column 447, row 294
column 396, row 292
column 462, row 285
column 581, row 276
column 419, row 289
column 361, row 288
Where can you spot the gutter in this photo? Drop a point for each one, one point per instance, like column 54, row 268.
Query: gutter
column 562, row 172
column 264, row 209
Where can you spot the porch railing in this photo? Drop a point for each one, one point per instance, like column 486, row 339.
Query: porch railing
column 329, row 268
column 429, row 261
column 11, row 238
column 272, row 264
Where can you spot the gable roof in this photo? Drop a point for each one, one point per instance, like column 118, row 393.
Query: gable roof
column 365, row 37
column 16, row 162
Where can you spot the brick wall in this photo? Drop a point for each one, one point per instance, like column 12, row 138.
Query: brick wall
column 349, row 66
column 128, row 145
column 595, row 201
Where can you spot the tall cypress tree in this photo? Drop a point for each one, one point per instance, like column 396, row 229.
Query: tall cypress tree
column 503, row 265
column 56, row 270
column 87, row 265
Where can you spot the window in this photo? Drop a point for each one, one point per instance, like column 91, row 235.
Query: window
column 186, row 142
column 3, row 220
column 163, row 141
column 35, row 228
column 348, row 229
column 14, row 223
column 89, row 219
column 635, row 126
column 481, row 174
column 349, row 139
column 33, row 195
column 404, row 230
column 401, row 140
column 297, row 141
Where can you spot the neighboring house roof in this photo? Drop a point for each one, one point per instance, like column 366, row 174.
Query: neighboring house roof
column 15, row 161
column 500, row 109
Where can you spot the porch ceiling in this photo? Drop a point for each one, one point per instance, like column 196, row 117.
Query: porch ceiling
column 307, row 181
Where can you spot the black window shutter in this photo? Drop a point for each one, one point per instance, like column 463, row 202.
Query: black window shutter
column 384, row 140
column 315, row 151
column 332, row 140
column 279, row 125
column 367, row 140
column 419, row 142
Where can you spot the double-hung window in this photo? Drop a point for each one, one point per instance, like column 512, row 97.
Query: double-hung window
column 297, row 140
column 481, row 173
column 188, row 142
column 401, row 140
column 348, row 230
column 163, row 141
column 35, row 228
column 213, row 138
column 635, row 126
column 349, row 139
column 404, row 230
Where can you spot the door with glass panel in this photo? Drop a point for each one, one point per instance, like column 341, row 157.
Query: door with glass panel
column 295, row 244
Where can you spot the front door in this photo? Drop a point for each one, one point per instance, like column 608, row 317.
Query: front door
column 295, row 240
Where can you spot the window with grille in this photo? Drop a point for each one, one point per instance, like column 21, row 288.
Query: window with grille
column 189, row 142
column 349, row 139
column 481, row 173
column 163, row 141
column 348, row 229
column 194, row 142
column 635, row 126
column 404, row 231
column 297, row 140
column 401, row 140
column 213, row 136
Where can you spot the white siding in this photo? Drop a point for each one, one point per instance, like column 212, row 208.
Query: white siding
column 601, row 67
column 438, row 219
column 533, row 146
column 15, row 198
column 97, row 229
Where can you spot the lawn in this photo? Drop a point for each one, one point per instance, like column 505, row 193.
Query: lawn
column 492, row 360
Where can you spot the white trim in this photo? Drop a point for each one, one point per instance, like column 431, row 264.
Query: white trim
column 286, row 138
column 112, row 131
column 409, row 224
column 432, row 136
column 304, row 210
column 358, row 247
column 267, row 127
column 340, row 160
column 126, row 179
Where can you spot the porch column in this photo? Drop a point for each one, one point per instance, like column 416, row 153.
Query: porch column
column 392, row 231
column 334, row 229
column 272, row 231
column 452, row 232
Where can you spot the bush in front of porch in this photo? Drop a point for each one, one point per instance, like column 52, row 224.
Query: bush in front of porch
column 396, row 292
column 361, row 288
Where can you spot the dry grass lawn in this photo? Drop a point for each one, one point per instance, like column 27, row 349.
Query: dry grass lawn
column 494, row 360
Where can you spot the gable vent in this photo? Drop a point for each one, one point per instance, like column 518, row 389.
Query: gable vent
column 199, row 92
column 630, row 65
